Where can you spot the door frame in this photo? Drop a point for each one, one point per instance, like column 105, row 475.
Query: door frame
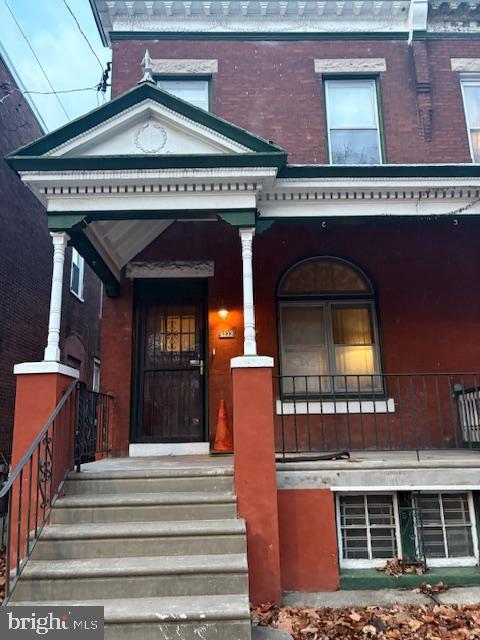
column 139, row 285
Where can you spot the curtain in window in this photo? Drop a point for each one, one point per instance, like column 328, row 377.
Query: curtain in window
column 353, row 341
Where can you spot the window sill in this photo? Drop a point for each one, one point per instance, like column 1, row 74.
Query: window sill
column 335, row 407
column 373, row 579
column 77, row 296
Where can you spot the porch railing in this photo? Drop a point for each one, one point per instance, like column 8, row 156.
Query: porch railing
column 331, row 413
column 69, row 436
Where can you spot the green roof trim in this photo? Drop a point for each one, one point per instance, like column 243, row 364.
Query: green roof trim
column 260, row 35
column 140, row 93
column 101, row 163
column 381, row 171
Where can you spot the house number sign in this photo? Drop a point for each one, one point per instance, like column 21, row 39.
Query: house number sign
column 228, row 333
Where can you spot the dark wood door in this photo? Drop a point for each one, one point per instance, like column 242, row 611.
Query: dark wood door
column 170, row 363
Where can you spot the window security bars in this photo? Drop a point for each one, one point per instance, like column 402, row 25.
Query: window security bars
column 435, row 529
column 382, row 412
column 35, row 484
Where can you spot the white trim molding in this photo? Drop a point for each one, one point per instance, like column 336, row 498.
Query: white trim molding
column 171, row 269
column 350, row 65
column 334, row 407
column 251, row 362
column 465, row 65
column 26, row 368
column 143, row 450
column 175, row 66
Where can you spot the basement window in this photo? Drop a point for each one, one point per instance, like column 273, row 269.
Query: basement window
column 374, row 528
column 76, row 274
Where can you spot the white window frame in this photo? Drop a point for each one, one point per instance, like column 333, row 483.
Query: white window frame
column 365, row 563
column 79, row 262
column 467, row 561
column 469, row 80
column 173, row 78
column 353, row 81
column 96, row 375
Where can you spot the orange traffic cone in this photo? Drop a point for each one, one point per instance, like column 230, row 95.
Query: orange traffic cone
column 223, row 435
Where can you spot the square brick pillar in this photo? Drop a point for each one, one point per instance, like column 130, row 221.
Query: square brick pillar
column 255, row 473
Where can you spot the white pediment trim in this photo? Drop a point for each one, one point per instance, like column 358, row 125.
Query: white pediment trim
column 123, row 131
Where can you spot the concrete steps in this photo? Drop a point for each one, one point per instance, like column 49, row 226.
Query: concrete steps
column 163, row 551
column 209, row 617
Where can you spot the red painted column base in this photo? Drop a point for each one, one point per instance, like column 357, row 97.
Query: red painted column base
column 255, row 474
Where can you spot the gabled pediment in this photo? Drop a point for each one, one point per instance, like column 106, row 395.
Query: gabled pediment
column 149, row 123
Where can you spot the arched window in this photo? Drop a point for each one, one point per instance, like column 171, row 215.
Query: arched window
column 328, row 328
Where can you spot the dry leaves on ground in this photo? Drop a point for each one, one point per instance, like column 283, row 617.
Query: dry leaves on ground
column 401, row 622
column 2, row 575
column 397, row 567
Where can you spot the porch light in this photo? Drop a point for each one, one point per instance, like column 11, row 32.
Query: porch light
column 223, row 313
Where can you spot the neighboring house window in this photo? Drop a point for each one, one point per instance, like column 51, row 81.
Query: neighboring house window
column 76, row 274
column 328, row 328
column 471, row 101
column 194, row 91
column 437, row 526
column 368, row 527
column 353, row 122
column 96, row 375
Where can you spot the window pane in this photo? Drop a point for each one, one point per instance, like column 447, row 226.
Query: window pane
column 323, row 276
column 193, row 91
column 455, row 508
column 475, row 137
column 352, row 326
column 75, row 281
column 303, row 342
column 472, row 104
column 354, row 146
column 355, row 361
column 433, row 542
column 351, row 105
column 381, row 524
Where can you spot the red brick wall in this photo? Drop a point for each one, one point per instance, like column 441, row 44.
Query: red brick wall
column 425, row 274
column 270, row 88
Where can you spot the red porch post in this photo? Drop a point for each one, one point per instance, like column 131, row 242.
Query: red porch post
column 254, row 446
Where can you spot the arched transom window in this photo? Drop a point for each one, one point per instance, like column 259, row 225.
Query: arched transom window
column 328, row 327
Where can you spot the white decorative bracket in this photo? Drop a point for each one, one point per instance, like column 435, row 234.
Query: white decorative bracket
column 52, row 350
column 250, row 341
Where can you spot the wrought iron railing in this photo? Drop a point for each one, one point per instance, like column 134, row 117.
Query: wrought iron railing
column 91, row 427
column 78, row 424
column 332, row 413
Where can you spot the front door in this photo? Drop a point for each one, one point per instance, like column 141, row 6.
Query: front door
column 170, row 357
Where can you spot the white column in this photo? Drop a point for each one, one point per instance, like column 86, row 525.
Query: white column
column 250, row 341
column 52, row 350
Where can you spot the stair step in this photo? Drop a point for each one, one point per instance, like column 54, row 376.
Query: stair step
column 218, row 617
column 144, row 576
column 182, row 537
column 142, row 507
column 131, row 481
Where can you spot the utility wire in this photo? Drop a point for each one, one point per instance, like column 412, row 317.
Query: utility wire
column 36, row 58
column 83, row 33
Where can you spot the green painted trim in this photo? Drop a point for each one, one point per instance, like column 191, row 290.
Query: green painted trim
column 263, row 225
column 372, row 579
column 381, row 171
column 140, row 93
column 261, row 35
column 101, row 163
column 239, row 218
column 425, row 35
column 83, row 245
column 65, row 221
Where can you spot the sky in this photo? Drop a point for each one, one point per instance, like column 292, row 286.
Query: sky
column 62, row 50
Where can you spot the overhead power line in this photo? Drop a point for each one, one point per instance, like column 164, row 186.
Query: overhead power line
column 83, row 33
column 54, row 92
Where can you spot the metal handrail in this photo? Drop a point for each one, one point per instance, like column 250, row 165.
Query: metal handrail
column 26, row 457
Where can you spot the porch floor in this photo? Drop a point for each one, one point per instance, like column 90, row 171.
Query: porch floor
column 160, row 463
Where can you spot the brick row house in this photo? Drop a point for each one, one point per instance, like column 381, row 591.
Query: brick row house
column 26, row 268
column 282, row 202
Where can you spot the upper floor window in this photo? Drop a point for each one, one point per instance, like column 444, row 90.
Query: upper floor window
column 353, row 121
column 328, row 328
column 76, row 274
column 195, row 91
column 471, row 101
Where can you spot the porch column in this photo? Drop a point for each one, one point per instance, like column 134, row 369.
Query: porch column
column 52, row 350
column 254, row 446
column 249, row 337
